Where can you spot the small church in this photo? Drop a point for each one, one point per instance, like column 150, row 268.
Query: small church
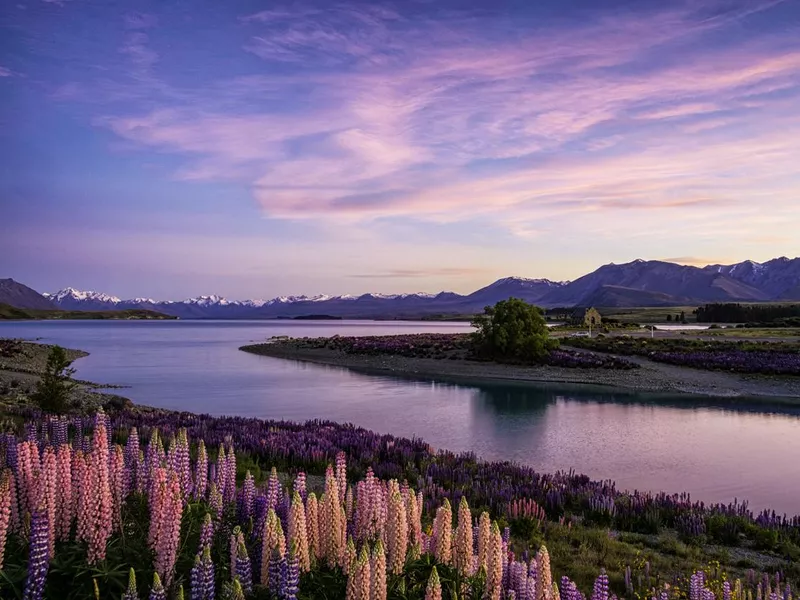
column 586, row 317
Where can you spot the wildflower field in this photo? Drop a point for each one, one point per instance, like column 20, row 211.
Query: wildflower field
column 150, row 504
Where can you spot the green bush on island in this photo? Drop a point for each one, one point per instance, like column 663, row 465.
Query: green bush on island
column 512, row 330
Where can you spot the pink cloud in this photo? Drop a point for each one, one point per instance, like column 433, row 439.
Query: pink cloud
column 431, row 123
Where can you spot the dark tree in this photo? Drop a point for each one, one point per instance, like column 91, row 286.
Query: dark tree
column 683, row 317
column 52, row 391
column 669, row 318
column 512, row 330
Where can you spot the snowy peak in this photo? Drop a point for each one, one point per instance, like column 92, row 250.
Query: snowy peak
column 79, row 295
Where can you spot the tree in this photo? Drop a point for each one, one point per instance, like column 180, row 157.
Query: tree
column 669, row 318
column 512, row 330
column 683, row 317
column 52, row 391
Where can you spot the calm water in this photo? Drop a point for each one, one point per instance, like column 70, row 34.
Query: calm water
column 640, row 441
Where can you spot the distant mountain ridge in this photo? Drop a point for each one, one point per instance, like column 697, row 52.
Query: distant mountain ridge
column 18, row 295
column 637, row 283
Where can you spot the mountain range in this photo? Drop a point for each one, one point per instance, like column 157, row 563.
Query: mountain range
column 637, row 283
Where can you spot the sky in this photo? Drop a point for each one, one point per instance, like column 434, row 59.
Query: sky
column 174, row 148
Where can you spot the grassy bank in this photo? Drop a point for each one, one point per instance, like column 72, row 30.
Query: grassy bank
column 20, row 314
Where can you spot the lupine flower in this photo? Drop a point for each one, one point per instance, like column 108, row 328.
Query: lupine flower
column 330, row 524
column 98, row 490
column 341, row 474
column 462, row 556
column 358, row 582
column 273, row 548
column 229, row 494
column 397, row 534
column 443, row 533
column 181, row 462
column 434, row 589
column 119, row 480
column 296, row 532
column 312, row 527
column 237, row 537
column 215, row 501
column 484, row 536
column 290, row 574
column 201, row 472
column 494, row 571
column 414, row 521
column 157, row 590
column 131, row 593
column 236, row 591
column 5, row 510
column 39, row 561
column 208, row 573
column 64, row 500
column 277, row 566
column 206, row 532
column 47, row 493
column 166, row 510
column 377, row 569
column 544, row 580
column 600, row 591
column 243, row 571
column 299, row 485
column 28, row 472
column 247, row 497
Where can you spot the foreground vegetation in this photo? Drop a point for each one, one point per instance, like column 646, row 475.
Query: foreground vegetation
column 12, row 313
column 195, row 513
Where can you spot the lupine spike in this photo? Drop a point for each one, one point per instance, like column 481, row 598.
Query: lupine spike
column 39, row 561
column 433, row 591
column 377, row 590
column 5, row 511
column 131, row 592
column 157, row 591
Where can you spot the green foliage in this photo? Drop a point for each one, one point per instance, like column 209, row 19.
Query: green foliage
column 512, row 330
column 52, row 391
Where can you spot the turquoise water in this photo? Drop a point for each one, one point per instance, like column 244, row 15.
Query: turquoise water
column 715, row 450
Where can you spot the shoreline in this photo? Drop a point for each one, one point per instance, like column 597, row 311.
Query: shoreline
column 651, row 377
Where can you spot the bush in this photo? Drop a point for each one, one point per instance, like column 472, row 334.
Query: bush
column 512, row 330
column 53, row 388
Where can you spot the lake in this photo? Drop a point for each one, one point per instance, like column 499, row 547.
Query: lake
column 717, row 452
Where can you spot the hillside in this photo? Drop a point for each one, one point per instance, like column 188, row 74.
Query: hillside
column 18, row 314
column 18, row 295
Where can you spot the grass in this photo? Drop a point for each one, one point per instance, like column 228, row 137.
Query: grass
column 19, row 314
column 649, row 314
column 749, row 333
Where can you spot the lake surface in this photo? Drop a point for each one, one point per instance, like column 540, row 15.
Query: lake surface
column 642, row 441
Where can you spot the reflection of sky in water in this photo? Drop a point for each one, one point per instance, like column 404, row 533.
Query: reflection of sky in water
column 650, row 442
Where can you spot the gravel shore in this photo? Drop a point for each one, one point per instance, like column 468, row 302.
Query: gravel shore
column 650, row 377
column 21, row 366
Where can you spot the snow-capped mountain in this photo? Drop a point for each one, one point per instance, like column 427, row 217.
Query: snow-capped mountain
column 636, row 283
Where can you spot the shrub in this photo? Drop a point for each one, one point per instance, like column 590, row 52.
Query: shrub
column 512, row 330
column 53, row 388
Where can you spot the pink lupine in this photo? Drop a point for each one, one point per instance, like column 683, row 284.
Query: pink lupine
column 358, row 583
column 99, row 501
column 119, row 481
column 342, row 535
column 297, row 532
column 434, row 589
column 544, row 581
column 312, row 527
column 222, row 468
column 462, row 555
column 377, row 569
column 330, row 523
column 46, row 496
column 299, row 485
column 443, row 533
column 494, row 572
column 348, row 503
column 201, row 471
column 28, row 471
column 350, row 555
column 414, row 521
column 5, row 510
column 341, row 474
column 15, row 519
column 396, row 534
column 165, row 522
column 64, row 500
column 484, row 537
column 80, row 498
column 273, row 489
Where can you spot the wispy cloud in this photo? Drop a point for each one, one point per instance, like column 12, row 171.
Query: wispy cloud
column 420, row 273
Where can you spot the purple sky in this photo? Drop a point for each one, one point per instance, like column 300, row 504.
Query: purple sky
column 252, row 149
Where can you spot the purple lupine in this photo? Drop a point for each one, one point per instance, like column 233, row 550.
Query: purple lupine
column 132, row 458
column 275, row 572
column 157, row 592
column 197, row 582
column 208, row 573
column 230, row 476
column 726, row 590
column 600, row 591
column 201, row 472
column 246, row 498
column 244, row 569
column 290, row 575
column 206, row 532
column 130, row 592
column 696, row 586
column 300, row 485
column 39, row 561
